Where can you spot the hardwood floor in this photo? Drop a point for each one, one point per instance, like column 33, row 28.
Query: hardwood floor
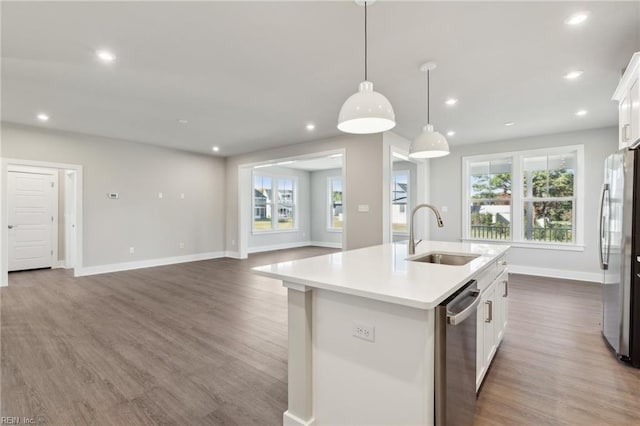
column 553, row 366
column 206, row 343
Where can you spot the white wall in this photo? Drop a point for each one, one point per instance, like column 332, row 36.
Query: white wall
column 446, row 190
column 139, row 219
column 263, row 241
column 363, row 167
column 320, row 209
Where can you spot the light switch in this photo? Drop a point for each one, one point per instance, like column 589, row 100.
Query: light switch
column 363, row 208
column 182, row 195
column 160, row 195
column 444, row 209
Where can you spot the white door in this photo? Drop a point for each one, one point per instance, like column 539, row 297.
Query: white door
column 31, row 198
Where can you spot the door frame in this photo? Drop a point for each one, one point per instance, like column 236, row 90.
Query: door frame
column 4, row 245
column 55, row 225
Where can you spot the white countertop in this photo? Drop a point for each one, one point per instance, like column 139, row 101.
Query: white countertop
column 384, row 273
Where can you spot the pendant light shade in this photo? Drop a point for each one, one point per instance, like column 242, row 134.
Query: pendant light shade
column 429, row 144
column 366, row 111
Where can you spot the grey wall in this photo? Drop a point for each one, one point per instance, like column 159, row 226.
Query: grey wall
column 446, row 190
column 263, row 241
column 138, row 172
column 320, row 209
column 364, row 164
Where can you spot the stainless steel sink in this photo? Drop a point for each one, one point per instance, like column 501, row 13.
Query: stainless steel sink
column 445, row 258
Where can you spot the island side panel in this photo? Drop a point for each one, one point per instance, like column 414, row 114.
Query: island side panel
column 300, row 409
column 387, row 381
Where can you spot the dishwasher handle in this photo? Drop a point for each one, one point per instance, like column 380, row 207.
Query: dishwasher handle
column 471, row 309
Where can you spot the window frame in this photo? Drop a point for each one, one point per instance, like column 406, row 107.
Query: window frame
column 518, row 198
column 274, row 203
column 329, row 201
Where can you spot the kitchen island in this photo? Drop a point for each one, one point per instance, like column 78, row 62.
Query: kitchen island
column 362, row 329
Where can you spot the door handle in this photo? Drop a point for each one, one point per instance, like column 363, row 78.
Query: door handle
column 490, row 304
column 506, row 288
column 603, row 264
column 625, row 132
column 11, row 226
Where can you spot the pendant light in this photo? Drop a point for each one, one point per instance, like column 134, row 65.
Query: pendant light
column 366, row 111
column 428, row 144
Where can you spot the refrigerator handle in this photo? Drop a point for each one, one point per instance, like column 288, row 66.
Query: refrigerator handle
column 603, row 264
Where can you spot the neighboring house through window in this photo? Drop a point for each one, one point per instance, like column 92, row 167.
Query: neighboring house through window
column 335, row 211
column 269, row 191
column 530, row 197
column 400, row 201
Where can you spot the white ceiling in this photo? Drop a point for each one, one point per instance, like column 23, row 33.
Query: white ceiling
column 251, row 75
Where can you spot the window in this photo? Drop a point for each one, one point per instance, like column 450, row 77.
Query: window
column 527, row 197
column 270, row 191
column 335, row 211
column 490, row 198
column 399, row 201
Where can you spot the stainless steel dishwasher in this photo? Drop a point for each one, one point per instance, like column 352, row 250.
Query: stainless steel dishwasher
column 455, row 358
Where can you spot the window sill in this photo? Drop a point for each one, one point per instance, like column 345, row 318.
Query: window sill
column 530, row 245
column 275, row 231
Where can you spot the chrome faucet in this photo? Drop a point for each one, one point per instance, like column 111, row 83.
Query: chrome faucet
column 412, row 241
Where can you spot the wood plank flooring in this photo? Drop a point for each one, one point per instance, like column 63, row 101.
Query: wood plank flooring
column 205, row 343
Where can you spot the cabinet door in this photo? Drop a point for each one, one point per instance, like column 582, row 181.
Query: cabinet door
column 488, row 320
column 625, row 122
column 480, row 364
column 634, row 105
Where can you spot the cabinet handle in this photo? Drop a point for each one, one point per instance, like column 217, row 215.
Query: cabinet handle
column 490, row 304
column 625, row 132
column 506, row 288
column 504, row 263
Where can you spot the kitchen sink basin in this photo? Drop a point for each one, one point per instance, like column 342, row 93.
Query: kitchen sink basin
column 445, row 258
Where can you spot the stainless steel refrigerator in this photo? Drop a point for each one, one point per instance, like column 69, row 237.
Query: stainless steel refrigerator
column 619, row 247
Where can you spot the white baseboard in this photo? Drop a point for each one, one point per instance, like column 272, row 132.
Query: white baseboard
column 326, row 244
column 127, row 266
column 278, row 246
column 556, row 273
column 289, row 419
column 232, row 254
column 58, row 264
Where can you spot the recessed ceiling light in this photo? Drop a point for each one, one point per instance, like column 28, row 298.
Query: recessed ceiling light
column 310, row 126
column 105, row 56
column 215, row 149
column 509, row 124
column 581, row 113
column 451, row 101
column 577, row 18
column 43, row 117
column 573, row 75
column 182, row 121
column 451, row 133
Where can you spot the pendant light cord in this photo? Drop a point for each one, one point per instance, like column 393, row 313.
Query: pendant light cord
column 428, row 93
column 365, row 41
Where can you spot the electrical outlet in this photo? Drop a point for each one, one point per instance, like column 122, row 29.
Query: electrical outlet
column 445, row 209
column 132, row 250
column 182, row 195
column 363, row 331
column 233, row 242
column 160, row 195
column 181, row 245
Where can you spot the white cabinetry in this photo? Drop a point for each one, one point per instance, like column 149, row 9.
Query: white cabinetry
column 628, row 96
column 491, row 317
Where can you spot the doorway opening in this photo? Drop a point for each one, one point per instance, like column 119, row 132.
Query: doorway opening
column 292, row 202
column 41, row 216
